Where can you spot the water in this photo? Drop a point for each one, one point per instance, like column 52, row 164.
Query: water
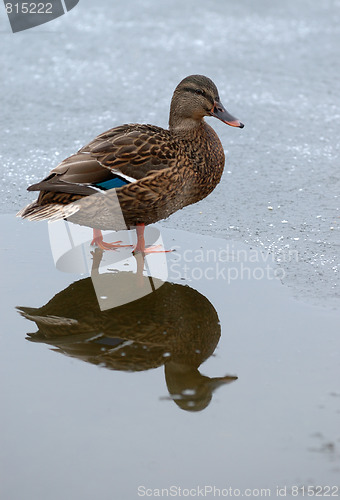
column 146, row 395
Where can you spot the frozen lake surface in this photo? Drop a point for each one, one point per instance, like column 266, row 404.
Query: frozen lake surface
column 76, row 429
column 277, row 68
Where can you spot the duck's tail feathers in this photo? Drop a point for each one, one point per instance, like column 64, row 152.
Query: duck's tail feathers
column 32, row 314
column 52, row 212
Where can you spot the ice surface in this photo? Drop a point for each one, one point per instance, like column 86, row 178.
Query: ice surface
column 276, row 65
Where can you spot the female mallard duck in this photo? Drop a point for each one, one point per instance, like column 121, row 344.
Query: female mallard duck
column 152, row 172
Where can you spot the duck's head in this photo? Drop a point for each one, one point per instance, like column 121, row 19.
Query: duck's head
column 194, row 98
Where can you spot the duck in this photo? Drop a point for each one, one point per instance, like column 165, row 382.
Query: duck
column 147, row 171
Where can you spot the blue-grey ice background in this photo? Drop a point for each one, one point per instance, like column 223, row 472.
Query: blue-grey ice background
column 276, row 65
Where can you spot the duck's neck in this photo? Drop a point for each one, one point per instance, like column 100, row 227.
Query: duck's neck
column 186, row 126
column 181, row 118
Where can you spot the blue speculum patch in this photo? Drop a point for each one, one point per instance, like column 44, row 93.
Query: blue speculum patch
column 112, row 183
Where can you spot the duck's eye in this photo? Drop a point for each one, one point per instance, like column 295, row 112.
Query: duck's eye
column 199, row 92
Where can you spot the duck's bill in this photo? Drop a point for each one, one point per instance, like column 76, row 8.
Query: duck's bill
column 222, row 114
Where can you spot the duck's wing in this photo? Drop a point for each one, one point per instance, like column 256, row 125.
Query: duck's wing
column 115, row 158
column 134, row 149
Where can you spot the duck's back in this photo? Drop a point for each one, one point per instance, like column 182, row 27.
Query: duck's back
column 134, row 149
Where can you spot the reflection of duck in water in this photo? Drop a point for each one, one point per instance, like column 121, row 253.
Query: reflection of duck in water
column 174, row 326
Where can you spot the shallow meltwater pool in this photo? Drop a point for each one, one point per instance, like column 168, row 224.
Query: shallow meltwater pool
column 192, row 373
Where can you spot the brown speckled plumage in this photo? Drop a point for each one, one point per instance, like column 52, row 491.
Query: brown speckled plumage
column 166, row 169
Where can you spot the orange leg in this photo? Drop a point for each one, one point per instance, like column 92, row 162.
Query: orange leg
column 100, row 243
column 140, row 247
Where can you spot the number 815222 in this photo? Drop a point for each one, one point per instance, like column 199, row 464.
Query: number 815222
column 29, row 8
